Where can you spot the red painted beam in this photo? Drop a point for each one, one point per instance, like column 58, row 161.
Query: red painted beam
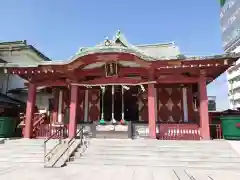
column 179, row 79
column 106, row 57
column 49, row 83
column 124, row 71
column 87, row 72
column 112, row 80
column 184, row 81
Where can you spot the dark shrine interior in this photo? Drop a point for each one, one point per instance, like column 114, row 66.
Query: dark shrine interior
column 130, row 99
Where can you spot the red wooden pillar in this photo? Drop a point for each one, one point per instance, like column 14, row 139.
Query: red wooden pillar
column 55, row 105
column 28, row 130
column 152, row 110
column 73, row 111
column 204, row 116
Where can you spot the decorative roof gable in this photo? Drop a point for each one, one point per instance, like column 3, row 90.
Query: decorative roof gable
column 120, row 44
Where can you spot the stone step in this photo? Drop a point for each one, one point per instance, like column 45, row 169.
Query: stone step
column 158, row 154
column 22, row 155
column 23, row 152
column 192, row 164
column 151, row 148
column 5, row 152
column 157, row 142
column 160, row 150
column 29, row 142
column 149, row 141
column 160, row 143
column 30, row 150
column 22, row 160
column 6, row 168
column 154, row 158
column 28, row 145
column 196, row 154
column 3, row 146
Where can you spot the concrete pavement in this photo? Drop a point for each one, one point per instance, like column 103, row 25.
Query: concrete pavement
column 235, row 145
column 91, row 172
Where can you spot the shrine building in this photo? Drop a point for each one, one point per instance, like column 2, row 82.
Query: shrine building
column 142, row 90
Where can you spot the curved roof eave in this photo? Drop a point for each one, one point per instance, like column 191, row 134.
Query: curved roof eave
column 118, row 49
column 114, row 48
column 111, row 49
column 226, row 56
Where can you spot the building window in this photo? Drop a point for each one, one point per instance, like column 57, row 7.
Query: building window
column 212, row 105
column 230, row 20
column 226, row 7
column 233, row 36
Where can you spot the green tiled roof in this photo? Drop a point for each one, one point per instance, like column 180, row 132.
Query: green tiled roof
column 120, row 44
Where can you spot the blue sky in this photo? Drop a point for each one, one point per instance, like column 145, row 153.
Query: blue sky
column 59, row 27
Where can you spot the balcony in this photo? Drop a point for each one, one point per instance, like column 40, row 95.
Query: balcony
column 235, row 85
column 233, row 74
column 234, row 96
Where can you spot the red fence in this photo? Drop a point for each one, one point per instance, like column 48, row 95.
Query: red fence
column 164, row 131
column 47, row 130
column 178, row 132
column 171, row 131
column 42, row 128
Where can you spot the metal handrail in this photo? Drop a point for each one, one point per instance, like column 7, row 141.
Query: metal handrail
column 80, row 131
column 51, row 137
column 69, row 144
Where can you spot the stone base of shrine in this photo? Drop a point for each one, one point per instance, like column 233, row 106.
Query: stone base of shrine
column 110, row 131
column 133, row 130
column 140, row 130
column 168, row 131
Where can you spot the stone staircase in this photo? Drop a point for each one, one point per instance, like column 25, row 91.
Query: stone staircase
column 24, row 151
column 154, row 153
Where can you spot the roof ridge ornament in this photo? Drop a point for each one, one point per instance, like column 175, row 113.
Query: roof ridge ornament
column 107, row 42
column 118, row 34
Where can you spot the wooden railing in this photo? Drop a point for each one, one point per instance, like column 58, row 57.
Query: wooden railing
column 59, row 134
column 178, row 132
column 42, row 127
column 168, row 131
column 38, row 120
column 216, row 131
column 171, row 131
column 47, row 130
